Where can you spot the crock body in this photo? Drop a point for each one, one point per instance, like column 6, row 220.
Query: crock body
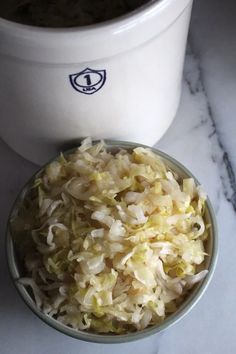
column 117, row 82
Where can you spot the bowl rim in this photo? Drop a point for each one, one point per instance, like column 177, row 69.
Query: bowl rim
column 172, row 319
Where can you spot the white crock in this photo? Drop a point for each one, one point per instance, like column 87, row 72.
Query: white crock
column 120, row 79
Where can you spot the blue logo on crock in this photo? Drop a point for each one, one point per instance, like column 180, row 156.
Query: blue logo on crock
column 88, row 81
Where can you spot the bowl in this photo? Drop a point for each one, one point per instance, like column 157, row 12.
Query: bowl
column 211, row 246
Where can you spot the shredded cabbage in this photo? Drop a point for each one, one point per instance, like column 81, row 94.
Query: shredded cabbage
column 115, row 241
column 67, row 13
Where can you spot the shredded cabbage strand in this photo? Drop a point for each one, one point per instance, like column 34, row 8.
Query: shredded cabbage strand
column 116, row 240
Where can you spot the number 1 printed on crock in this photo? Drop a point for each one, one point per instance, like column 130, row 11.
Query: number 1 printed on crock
column 88, row 81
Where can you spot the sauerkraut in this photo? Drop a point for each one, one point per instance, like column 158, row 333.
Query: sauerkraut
column 111, row 242
column 66, row 13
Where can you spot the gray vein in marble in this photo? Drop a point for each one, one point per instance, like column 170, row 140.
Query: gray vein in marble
column 195, row 82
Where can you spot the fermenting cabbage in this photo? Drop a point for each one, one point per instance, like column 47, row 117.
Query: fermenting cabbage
column 111, row 242
column 66, row 13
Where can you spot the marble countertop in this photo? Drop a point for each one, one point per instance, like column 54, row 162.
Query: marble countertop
column 203, row 138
